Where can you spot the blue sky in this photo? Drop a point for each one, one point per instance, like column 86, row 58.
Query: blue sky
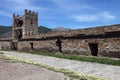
column 74, row 14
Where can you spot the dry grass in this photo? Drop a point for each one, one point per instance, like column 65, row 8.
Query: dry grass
column 102, row 60
column 71, row 74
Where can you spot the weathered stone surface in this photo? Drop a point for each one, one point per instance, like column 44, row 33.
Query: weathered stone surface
column 5, row 45
column 95, row 69
column 87, row 31
column 106, row 47
column 25, row 26
column 102, row 45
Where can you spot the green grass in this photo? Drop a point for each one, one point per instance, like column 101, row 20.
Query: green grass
column 71, row 74
column 108, row 61
column 1, row 53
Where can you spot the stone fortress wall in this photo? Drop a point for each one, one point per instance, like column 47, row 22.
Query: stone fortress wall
column 86, row 31
column 26, row 25
column 99, row 41
column 107, row 38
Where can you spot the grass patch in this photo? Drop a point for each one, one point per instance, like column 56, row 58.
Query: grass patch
column 108, row 61
column 71, row 74
column 1, row 53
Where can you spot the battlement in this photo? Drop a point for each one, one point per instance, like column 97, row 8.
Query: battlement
column 73, row 42
column 30, row 12
column 16, row 16
column 26, row 25
column 98, row 41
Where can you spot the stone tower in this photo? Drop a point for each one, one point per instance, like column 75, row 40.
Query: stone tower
column 25, row 26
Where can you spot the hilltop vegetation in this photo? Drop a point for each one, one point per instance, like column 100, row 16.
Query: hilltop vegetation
column 43, row 29
column 5, row 29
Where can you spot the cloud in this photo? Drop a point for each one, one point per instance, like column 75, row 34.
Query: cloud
column 18, row 6
column 5, row 13
column 107, row 16
column 102, row 16
column 71, row 5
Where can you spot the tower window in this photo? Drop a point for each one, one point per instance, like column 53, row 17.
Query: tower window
column 31, row 22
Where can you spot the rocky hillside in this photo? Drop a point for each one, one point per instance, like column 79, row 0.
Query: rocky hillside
column 43, row 29
column 5, row 29
column 58, row 29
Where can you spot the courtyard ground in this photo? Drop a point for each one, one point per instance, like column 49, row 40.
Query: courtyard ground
column 95, row 69
column 21, row 71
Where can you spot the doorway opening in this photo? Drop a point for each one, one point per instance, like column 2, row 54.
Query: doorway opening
column 18, row 28
column 59, row 44
column 93, row 48
column 14, row 46
column 18, row 33
column 31, row 44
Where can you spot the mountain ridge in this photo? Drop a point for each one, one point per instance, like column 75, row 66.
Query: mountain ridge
column 6, row 31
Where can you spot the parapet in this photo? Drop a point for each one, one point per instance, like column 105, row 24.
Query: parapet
column 14, row 15
column 30, row 12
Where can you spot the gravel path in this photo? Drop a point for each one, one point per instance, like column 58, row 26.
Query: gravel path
column 21, row 71
column 94, row 69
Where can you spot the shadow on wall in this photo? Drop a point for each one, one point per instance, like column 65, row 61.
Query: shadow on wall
column 110, row 54
column 1, row 48
column 75, row 51
column 31, row 44
column 58, row 44
column 4, row 48
column 93, row 48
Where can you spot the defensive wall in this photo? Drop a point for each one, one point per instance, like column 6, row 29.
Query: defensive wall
column 97, row 41
column 105, row 40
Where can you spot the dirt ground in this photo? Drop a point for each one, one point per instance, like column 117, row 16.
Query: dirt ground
column 20, row 71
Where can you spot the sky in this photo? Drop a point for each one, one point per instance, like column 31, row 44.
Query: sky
column 74, row 14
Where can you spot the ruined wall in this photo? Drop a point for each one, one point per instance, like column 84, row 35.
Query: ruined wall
column 48, row 45
column 75, row 47
column 87, row 31
column 30, row 27
column 25, row 26
column 99, row 41
column 5, row 45
column 108, row 47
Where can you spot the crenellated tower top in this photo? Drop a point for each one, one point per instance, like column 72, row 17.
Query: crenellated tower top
column 26, row 25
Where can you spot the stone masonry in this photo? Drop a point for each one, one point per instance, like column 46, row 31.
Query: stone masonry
column 26, row 25
column 99, row 41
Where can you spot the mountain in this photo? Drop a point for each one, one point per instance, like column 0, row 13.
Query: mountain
column 58, row 29
column 5, row 29
column 6, row 35
column 43, row 29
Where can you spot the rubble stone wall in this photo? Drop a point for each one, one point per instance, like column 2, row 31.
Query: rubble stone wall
column 48, row 45
column 108, row 47
column 5, row 45
column 87, row 31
